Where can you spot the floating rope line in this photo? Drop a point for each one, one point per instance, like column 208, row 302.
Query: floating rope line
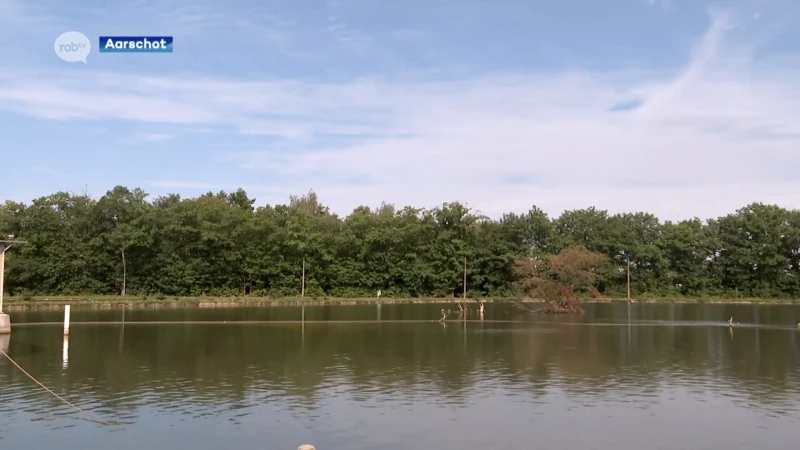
column 47, row 389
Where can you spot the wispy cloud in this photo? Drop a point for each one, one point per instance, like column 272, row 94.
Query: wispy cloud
column 46, row 171
column 356, row 41
column 627, row 105
column 466, row 139
column 705, row 52
column 148, row 137
column 171, row 185
column 17, row 14
column 663, row 4
column 500, row 141
column 177, row 184
column 60, row 175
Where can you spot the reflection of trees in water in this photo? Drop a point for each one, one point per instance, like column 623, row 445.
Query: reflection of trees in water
column 699, row 357
column 195, row 368
column 202, row 368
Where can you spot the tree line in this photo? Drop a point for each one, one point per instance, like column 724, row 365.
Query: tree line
column 219, row 244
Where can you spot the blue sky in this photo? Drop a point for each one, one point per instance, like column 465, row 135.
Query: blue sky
column 682, row 107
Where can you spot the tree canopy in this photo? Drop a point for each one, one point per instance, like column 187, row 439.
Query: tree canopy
column 221, row 244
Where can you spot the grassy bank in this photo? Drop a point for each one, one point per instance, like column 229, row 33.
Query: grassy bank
column 115, row 301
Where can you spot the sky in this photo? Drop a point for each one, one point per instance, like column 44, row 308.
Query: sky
column 680, row 108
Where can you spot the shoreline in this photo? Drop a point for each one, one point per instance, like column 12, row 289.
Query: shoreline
column 116, row 302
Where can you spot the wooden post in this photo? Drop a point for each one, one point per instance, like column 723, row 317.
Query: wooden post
column 66, row 320
column 303, row 285
column 629, row 279
column 465, row 277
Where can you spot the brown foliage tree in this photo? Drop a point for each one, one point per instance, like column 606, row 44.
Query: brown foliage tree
column 558, row 279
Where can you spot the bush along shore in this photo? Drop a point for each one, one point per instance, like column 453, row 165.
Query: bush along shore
column 220, row 245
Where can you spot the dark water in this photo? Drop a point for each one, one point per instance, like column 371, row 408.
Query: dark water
column 654, row 376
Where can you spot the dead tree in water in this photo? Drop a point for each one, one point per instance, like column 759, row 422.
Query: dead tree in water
column 557, row 279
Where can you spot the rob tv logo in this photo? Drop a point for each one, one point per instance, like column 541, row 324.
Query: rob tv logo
column 73, row 46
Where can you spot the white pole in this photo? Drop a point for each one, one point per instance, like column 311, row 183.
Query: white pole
column 65, row 353
column 66, row 320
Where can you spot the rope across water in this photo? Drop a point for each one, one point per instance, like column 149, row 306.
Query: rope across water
column 48, row 389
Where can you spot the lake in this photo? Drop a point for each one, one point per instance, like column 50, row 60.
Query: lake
column 655, row 376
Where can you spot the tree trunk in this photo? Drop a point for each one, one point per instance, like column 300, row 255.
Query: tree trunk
column 124, row 272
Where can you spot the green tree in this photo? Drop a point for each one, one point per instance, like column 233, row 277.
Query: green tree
column 221, row 244
column 120, row 211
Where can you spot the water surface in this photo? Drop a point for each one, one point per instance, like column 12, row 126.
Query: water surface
column 648, row 376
